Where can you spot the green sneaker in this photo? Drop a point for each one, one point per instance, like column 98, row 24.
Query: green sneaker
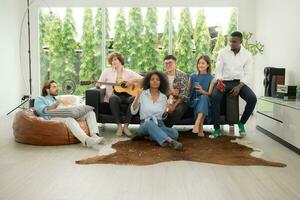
column 242, row 129
column 215, row 134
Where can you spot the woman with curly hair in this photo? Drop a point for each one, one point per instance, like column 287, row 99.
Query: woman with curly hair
column 152, row 104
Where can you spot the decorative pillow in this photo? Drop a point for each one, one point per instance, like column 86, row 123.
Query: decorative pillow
column 75, row 112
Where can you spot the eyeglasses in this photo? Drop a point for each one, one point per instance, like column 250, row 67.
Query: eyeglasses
column 168, row 63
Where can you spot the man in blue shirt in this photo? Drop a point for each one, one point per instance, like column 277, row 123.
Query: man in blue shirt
column 48, row 102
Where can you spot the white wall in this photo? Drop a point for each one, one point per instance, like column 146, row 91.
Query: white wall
column 278, row 28
column 11, row 84
column 247, row 16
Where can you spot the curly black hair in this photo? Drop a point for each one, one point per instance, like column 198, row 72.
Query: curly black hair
column 164, row 83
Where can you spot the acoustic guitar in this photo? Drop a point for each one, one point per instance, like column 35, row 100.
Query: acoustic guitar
column 118, row 87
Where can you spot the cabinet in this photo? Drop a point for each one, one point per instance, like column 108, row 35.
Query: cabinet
column 281, row 119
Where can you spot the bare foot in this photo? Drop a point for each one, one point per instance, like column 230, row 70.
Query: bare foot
column 127, row 132
column 201, row 134
column 119, row 131
column 195, row 130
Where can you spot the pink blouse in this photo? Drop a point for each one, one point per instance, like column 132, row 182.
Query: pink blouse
column 110, row 75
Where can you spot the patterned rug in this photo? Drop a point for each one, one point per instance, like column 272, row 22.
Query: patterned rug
column 224, row 150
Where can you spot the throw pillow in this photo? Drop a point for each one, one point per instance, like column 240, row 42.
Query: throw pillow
column 75, row 112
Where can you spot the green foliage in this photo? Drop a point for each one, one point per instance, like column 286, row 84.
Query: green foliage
column 56, row 49
column 184, row 44
column 233, row 22
column 88, row 71
column 98, row 36
column 220, row 44
column 165, row 37
column 202, row 36
column 69, row 46
column 255, row 47
column 121, row 34
column 43, row 40
column 150, row 60
column 59, row 37
column 135, row 39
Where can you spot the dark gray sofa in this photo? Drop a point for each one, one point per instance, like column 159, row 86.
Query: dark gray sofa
column 94, row 97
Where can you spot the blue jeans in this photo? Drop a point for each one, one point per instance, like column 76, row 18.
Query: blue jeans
column 157, row 132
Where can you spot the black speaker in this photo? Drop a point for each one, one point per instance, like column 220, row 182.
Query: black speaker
column 273, row 77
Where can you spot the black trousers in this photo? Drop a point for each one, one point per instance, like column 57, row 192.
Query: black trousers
column 115, row 102
column 245, row 93
column 176, row 115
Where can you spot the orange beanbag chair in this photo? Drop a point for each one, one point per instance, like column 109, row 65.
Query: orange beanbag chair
column 28, row 128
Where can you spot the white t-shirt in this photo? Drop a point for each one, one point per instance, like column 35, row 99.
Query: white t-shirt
column 171, row 81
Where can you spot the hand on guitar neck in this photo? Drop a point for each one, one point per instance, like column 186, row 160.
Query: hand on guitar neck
column 130, row 87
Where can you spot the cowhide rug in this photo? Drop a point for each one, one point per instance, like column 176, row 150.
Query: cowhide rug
column 224, row 150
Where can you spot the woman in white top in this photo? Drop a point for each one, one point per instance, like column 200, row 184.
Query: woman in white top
column 152, row 104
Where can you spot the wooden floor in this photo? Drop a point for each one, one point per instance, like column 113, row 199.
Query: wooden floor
column 34, row 172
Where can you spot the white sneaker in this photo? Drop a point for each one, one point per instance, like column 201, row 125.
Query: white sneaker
column 91, row 141
column 100, row 139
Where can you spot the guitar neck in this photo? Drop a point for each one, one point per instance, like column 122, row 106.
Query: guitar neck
column 120, row 87
column 107, row 83
column 100, row 82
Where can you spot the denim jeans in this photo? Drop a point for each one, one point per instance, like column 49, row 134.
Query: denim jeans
column 245, row 93
column 157, row 132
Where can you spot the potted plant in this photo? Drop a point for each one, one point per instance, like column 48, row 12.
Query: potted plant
column 255, row 47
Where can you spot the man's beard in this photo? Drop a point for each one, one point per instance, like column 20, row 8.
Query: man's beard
column 54, row 93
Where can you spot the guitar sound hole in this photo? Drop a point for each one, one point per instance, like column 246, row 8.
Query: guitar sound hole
column 123, row 84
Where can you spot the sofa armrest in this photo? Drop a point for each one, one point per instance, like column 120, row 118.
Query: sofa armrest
column 232, row 109
column 93, row 97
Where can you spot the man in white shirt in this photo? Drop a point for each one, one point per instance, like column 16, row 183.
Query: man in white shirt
column 233, row 68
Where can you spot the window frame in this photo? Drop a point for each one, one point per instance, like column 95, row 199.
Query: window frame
column 34, row 22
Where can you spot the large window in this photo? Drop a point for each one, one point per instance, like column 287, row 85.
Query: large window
column 74, row 42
